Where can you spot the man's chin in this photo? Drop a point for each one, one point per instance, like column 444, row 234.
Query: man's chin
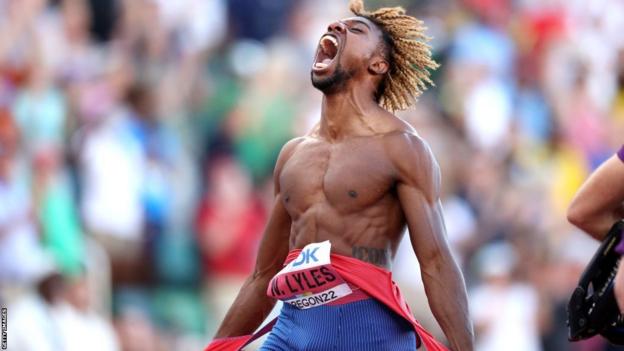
column 322, row 82
column 328, row 82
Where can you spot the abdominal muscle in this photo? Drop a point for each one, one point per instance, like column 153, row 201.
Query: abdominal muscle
column 371, row 235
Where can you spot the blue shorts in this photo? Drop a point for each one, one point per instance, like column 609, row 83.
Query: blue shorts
column 361, row 325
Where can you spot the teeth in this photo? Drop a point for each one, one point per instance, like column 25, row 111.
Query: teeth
column 330, row 38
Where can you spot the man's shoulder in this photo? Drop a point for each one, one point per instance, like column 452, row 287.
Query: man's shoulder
column 405, row 141
column 292, row 144
column 288, row 150
column 397, row 124
column 411, row 156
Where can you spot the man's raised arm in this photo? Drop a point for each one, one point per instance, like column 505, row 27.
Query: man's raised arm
column 418, row 191
column 252, row 305
column 598, row 203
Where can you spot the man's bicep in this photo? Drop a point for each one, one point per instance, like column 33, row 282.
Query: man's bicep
column 275, row 241
column 418, row 186
column 425, row 223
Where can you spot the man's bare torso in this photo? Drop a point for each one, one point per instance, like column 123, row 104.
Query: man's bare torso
column 344, row 191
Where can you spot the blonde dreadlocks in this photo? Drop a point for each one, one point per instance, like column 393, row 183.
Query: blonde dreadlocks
column 410, row 55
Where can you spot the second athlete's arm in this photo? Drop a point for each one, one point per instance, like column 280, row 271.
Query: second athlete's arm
column 598, row 203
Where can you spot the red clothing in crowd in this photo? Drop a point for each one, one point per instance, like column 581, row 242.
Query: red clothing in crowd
column 243, row 228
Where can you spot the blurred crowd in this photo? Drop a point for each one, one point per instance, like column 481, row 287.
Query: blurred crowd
column 138, row 138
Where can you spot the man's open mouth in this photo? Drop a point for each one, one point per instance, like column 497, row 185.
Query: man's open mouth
column 327, row 51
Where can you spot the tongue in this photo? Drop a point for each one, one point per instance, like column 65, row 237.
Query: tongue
column 323, row 64
column 320, row 65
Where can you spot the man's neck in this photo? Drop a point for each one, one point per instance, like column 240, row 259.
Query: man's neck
column 344, row 114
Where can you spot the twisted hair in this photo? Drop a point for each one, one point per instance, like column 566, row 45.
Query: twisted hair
column 408, row 53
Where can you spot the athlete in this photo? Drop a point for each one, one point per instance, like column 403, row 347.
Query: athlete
column 598, row 204
column 344, row 194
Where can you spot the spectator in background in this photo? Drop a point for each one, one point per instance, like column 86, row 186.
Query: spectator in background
column 558, row 277
column 112, row 170
column 55, row 208
column 137, row 333
column 229, row 223
column 34, row 320
column 157, row 149
column 79, row 327
column 40, row 111
column 505, row 310
column 258, row 19
column 20, row 252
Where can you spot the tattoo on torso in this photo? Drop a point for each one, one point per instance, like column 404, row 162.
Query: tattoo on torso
column 372, row 255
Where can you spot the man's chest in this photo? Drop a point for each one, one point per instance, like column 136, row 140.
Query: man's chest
column 349, row 176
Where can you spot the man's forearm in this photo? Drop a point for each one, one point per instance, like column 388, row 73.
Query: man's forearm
column 250, row 308
column 446, row 293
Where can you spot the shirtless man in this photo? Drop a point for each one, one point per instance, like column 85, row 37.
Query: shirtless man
column 356, row 180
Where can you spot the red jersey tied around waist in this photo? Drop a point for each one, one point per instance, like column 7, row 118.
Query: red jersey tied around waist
column 313, row 276
column 309, row 280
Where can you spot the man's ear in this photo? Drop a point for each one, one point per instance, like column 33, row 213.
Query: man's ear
column 378, row 65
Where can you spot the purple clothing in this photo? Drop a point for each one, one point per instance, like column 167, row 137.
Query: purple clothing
column 620, row 153
column 620, row 248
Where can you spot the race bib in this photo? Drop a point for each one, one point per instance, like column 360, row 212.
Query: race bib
column 309, row 280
